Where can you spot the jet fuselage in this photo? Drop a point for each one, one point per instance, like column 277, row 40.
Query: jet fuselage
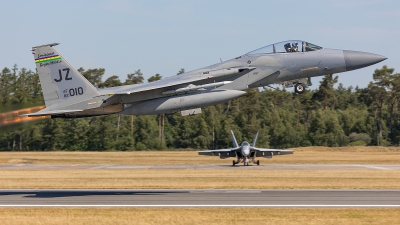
column 245, row 149
column 68, row 94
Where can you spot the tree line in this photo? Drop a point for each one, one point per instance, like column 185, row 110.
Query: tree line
column 327, row 116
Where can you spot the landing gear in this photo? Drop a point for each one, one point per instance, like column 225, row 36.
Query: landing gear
column 246, row 161
column 237, row 161
column 253, row 160
column 299, row 88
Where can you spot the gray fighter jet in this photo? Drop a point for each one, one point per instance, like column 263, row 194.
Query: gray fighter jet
column 245, row 152
column 68, row 94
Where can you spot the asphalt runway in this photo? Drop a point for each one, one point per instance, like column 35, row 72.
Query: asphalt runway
column 200, row 198
column 201, row 166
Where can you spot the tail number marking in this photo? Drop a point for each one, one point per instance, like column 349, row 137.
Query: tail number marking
column 66, row 75
column 72, row 92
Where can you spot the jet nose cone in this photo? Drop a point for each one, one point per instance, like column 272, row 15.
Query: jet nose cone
column 356, row 60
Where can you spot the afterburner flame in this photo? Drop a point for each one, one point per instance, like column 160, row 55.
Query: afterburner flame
column 13, row 117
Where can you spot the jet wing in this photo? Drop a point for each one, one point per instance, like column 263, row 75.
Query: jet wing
column 135, row 88
column 173, row 81
column 222, row 153
column 268, row 152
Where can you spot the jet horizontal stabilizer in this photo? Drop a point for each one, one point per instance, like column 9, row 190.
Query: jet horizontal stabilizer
column 51, row 112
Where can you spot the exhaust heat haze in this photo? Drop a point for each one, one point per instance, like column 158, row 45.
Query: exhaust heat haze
column 14, row 116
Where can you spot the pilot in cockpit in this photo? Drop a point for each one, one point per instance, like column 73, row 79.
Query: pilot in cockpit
column 295, row 47
column 287, row 47
column 292, row 48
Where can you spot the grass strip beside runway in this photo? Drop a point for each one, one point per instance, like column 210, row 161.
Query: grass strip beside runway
column 210, row 216
column 305, row 155
column 237, row 178
column 204, row 178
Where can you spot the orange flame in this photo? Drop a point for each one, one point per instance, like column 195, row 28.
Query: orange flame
column 15, row 116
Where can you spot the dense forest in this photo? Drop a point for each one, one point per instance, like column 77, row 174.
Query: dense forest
column 332, row 115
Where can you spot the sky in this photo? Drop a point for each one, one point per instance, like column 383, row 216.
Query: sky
column 162, row 36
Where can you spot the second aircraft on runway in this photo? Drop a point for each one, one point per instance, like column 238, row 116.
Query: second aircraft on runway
column 245, row 152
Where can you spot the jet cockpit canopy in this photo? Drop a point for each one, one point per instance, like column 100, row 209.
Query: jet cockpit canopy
column 286, row 47
column 245, row 143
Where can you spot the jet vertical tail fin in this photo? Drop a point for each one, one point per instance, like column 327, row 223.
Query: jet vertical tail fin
column 254, row 140
column 61, row 83
column 235, row 144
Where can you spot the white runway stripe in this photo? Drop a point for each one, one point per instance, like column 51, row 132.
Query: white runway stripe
column 374, row 167
column 226, row 206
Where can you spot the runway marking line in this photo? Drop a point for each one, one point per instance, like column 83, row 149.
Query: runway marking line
column 373, row 167
column 225, row 206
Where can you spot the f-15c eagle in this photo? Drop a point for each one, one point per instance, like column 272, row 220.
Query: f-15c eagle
column 245, row 152
column 67, row 94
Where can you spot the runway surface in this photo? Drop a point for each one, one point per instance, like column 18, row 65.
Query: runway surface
column 201, row 166
column 200, row 198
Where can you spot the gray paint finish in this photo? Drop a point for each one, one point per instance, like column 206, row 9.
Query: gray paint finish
column 356, row 60
column 68, row 94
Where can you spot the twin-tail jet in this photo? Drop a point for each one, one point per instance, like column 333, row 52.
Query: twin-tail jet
column 68, row 94
column 245, row 152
